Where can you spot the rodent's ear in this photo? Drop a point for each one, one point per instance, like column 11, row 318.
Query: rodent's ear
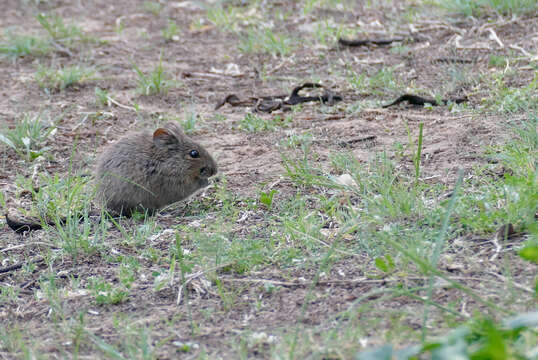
column 175, row 129
column 163, row 136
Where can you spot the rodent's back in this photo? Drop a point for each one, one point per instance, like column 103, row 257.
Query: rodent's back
column 121, row 172
column 146, row 171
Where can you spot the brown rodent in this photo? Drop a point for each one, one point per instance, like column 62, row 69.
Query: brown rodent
column 145, row 171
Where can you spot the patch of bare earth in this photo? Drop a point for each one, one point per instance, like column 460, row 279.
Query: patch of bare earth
column 452, row 141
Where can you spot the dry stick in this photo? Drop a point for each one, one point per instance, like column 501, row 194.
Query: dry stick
column 20, row 265
column 419, row 100
column 120, row 105
column 324, row 243
column 453, row 60
column 494, row 37
column 525, row 52
column 458, row 45
column 62, row 49
column 365, row 42
column 519, row 286
column 207, row 75
column 498, row 247
column 349, row 282
column 15, row 247
column 198, row 274
column 276, row 68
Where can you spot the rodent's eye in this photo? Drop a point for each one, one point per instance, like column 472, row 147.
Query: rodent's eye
column 194, row 154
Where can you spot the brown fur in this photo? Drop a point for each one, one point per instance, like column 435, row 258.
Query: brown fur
column 146, row 171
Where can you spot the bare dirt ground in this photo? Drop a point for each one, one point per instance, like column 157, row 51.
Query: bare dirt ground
column 454, row 138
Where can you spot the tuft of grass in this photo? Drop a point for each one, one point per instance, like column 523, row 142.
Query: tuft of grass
column 478, row 8
column 327, row 32
column 101, row 96
column 16, row 46
column 13, row 341
column 59, row 31
column 9, row 294
column 297, row 140
column 266, row 198
column 154, row 83
column 265, row 41
column 481, row 338
column 59, row 34
column 507, row 99
column 311, row 5
column 191, row 120
column 153, row 7
column 170, row 32
column 66, row 201
column 383, row 198
column 377, row 84
column 418, row 153
column 225, row 18
column 29, row 136
column 382, row 80
column 519, row 154
column 497, row 61
column 63, row 77
column 106, row 293
column 512, row 199
column 255, row 123
column 61, row 196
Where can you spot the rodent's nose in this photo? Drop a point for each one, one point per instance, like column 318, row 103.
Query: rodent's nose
column 207, row 171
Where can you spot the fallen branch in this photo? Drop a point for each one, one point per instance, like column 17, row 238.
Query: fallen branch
column 365, row 42
column 196, row 275
column 356, row 140
column 20, row 265
column 20, row 246
column 271, row 103
column 419, row 100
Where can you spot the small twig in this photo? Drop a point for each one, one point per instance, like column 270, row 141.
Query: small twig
column 430, row 177
column 120, row 105
column 36, row 172
column 20, row 246
column 463, row 310
column 62, row 49
column 346, row 143
column 344, row 282
column 429, row 25
column 493, row 36
column 498, row 247
column 198, row 274
column 504, row 279
column 459, row 46
column 453, row 60
column 365, row 42
column 20, row 265
column 324, row 243
column 525, row 52
column 204, row 75
column 275, row 183
column 276, row 68
column 309, row 283
column 243, row 217
column 419, row 100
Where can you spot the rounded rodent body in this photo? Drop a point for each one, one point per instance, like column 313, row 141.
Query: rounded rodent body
column 146, row 171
